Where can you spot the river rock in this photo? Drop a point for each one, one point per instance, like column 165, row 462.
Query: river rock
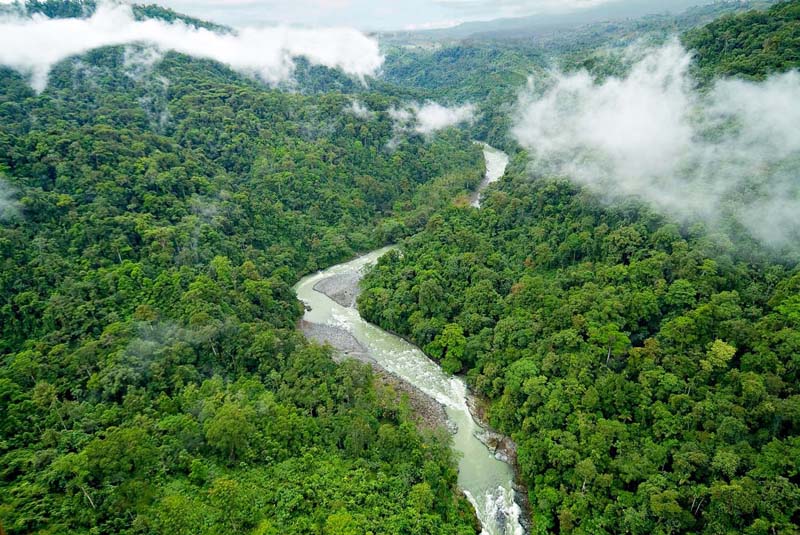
column 343, row 343
column 428, row 413
column 342, row 288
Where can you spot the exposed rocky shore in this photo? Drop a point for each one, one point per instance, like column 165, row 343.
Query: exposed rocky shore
column 429, row 413
column 505, row 449
column 344, row 344
column 342, row 289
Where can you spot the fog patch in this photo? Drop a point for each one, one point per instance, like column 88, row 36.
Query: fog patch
column 207, row 211
column 34, row 45
column 359, row 110
column 427, row 119
column 143, row 358
column 154, row 338
column 139, row 61
column 730, row 154
column 9, row 206
column 206, row 214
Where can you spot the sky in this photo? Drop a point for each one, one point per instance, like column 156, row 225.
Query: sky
column 373, row 14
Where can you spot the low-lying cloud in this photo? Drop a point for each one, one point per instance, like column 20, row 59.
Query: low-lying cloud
column 729, row 154
column 34, row 45
column 9, row 207
column 360, row 110
column 429, row 118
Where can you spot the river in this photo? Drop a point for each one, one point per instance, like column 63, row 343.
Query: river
column 485, row 479
column 496, row 163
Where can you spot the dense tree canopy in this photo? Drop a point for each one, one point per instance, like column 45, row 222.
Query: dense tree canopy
column 649, row 378
column 647, row 370
column 153, row 219
column 751, row 44
column 152, row 381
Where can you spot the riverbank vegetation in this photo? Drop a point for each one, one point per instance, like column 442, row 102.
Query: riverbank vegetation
column 647, row 369
column 154, row 216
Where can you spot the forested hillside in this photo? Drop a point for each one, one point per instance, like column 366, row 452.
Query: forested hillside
column 490, row 69
column 156, row 210
column 647, row 369
column 154, row 219
column 751, row 45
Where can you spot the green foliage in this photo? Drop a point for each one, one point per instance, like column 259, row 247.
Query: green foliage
column 751, row 44
column 449, row 347
column 152, row 378
column 648, row 372
column 647, row 375
column 156, row 12
column 85, row 8
column 487, row 74
column 61, row 8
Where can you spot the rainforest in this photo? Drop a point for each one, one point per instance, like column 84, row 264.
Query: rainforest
column 528, row 272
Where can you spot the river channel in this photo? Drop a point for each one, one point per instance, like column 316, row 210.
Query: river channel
column 486, row 479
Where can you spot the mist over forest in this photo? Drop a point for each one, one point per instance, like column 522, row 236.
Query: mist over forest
column 585, row 221
column 726, row 150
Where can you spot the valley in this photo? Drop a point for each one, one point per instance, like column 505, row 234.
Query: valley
column 262, row 275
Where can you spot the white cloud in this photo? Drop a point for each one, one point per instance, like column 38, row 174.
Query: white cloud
column 34, row 45
column 9, row 207
column 734, row 149
column 359, row 109
column 428, row 118
column 139, row 61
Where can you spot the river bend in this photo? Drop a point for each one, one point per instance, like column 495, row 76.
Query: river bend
column 485, row 479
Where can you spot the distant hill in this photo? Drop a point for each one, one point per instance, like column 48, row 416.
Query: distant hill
column 64, row 9
column 750, row 45
column 548, row 25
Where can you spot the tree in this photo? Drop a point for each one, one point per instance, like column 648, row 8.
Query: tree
column 231, row 430
column 449, row 347
column 718, row 356
column 609, row 337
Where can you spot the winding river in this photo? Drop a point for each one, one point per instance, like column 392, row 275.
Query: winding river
column 496, row 163
column 486, row 480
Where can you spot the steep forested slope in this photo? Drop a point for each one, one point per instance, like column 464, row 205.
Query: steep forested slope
column 651, row 385
column 84, row 8
column 153, row 218
column 153, row 222
column 751, row 44
column 647, row 370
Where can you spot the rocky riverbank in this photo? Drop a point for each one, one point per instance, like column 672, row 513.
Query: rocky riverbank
column 505, row 449
column 428, row 413
column 487, row 480
column 344, row 344
column 342, row 289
